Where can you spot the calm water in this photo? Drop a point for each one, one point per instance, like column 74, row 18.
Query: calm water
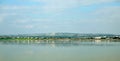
column 59, row 51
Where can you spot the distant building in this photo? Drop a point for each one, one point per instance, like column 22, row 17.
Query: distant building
column 98, row 37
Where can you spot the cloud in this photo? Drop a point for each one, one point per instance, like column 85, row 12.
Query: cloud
column 58, row 5
column 2, row 17
column 33, row 20
column 110, row 14
column 46, row 15
column 55, row 6
column 21, row 21
column 28, row 26
column 106, row 19
column 51, row 6
column 71, row 2
column 13, row 7
column 91, row 2
column 16, row 9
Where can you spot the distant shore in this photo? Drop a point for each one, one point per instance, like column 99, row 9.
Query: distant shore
column 36, row 38
column 61, row 36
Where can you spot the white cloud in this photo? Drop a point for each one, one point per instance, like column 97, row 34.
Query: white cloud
column 90, row 2
column 2, row 17
column 83, row 2
column 110, row 14
column 55, row 6
column 21, row 21
column 28, row 26
column 13, row 7
column 0, row 20
column 60, row 5
column 35, row 20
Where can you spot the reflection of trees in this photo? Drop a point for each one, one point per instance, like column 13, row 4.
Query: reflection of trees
column 58, row 42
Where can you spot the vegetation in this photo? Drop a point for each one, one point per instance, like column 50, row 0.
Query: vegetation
column 59, row 36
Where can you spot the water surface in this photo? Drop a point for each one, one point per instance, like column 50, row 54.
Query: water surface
column 60, row 51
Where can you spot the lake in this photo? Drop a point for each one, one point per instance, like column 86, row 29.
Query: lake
column 97, row 50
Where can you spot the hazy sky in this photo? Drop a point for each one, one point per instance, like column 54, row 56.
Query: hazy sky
column 46, row 16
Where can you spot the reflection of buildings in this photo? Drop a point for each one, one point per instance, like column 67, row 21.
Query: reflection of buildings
column 60, row 43
column 53, row 44
column 98, row 41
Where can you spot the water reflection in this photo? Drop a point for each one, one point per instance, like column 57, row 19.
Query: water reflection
column 54, row 43
column 40, row 50
column 98, row 41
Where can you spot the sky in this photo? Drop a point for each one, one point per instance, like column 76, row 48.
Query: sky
column 48, row 16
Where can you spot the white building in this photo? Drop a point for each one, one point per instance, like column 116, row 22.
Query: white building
column 98, row 37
